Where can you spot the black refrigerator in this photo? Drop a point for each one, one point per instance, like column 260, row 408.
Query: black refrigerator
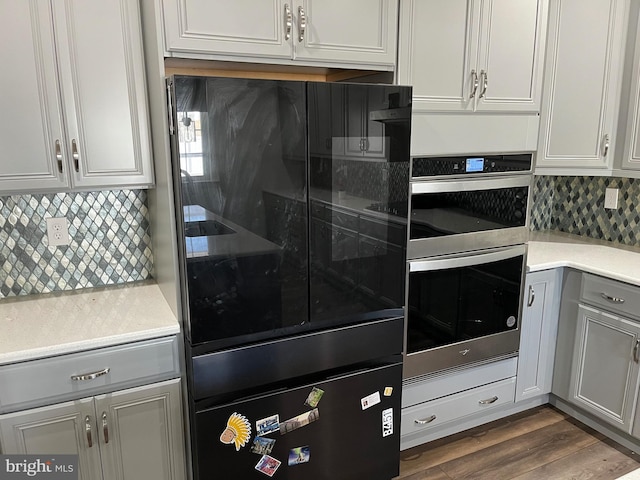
column 291, row 208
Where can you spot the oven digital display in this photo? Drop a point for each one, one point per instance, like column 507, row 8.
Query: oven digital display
column 474, row 165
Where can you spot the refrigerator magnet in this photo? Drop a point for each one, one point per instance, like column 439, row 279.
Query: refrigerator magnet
column 388, row 391
column 314, row 397
column 268, row 465
column 387, row 422
column 370, row 400
column 268, row 424
column 237, row 431
column 299, row 455
column 299, row 421
column 262, row 445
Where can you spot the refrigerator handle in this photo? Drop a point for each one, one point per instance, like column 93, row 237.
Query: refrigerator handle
column 172, row 129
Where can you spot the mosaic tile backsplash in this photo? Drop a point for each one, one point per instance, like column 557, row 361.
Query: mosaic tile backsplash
column 110, row 241
column 576, row 205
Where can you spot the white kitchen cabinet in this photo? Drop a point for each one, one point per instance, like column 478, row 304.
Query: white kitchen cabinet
column 135, row 433
column 358, row 33
column 74, row 104
column 582, row 81
column 630, row 159
column 364, row 137
column 604, row 377
column 538, row 333
column 473, row 55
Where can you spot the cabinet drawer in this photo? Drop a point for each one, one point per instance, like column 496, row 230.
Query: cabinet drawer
column 49, row 380
column 447, row 409
column 610, row 295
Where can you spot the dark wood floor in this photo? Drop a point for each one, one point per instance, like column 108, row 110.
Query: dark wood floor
column 542, row 443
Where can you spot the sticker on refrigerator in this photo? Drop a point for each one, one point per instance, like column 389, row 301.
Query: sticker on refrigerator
column 268, row 465
column 299, row 455
column 388, row 391
column 370, row 400
column 268, row 425
column 387, row 422
column 238, row 431
column 299, row 421
column 314, row 397
column 262, row 445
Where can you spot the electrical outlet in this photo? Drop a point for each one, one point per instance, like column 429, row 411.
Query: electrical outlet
column 58, row 231
column 611, row 198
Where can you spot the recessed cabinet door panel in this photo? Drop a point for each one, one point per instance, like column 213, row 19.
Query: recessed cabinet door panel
column 604, row 375
column 140, row 432
column 62, row 429
column 438, row 44
column 102, row 78
column 509, row 55
column 355, row 32
column 31, row 122
column 241, row 27
column 582, row 82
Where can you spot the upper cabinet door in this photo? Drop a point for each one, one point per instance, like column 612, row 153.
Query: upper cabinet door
column 631, row 153
column 511, row 53
column 583, row 74
column 437, row 53
column 241, row 27
column 468, row 55
column 354, row 32
column 101, row 70
column 31, row 133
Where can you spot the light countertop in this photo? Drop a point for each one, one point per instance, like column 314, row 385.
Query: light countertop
column 38, row 326
column 554, row 249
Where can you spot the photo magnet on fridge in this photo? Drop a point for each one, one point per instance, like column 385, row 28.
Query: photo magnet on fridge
column 268, row 424
column 299, row 455
column 314, row 397
column 237, row 431
column 370, row 400
column 268, row 465
column 388, row 391
column 299, row 421
column 262, row 445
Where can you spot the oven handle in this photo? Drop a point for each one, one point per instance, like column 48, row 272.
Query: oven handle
column 467, row 260
column 467, row 185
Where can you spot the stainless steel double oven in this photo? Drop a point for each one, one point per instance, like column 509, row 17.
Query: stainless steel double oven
column 468, row 227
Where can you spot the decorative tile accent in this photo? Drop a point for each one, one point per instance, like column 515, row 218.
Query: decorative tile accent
column 110, row 241
column 577, row 206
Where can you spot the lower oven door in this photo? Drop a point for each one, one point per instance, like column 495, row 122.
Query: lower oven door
column 463, row 309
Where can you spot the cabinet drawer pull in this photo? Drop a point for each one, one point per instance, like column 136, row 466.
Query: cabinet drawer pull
column 59, row 155
column 636, row 351
column 75, row 155
column 105, row 427
column 532, row 296
column 90, row 376
column 288, row 21
column 605, row 143
column 474, row 74
column 485, row 83
column 87, row 428
column 302, row 24
column 488, row 401
column 424, row 421
column 612, row 299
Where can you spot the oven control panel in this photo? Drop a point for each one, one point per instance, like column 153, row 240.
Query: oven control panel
column 470, row 165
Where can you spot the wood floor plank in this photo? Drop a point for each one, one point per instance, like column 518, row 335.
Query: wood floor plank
column 434, row 473
column 600, row 461
column 523, row 453
column 465, row 443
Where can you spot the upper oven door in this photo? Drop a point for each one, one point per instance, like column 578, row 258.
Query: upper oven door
column 450, row 216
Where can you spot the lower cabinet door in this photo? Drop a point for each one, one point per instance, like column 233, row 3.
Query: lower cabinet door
column 453, row 407
column 66, row 428
column 604, row 376
column 141, row 433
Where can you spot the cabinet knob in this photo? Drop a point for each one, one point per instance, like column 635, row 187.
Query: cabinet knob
column 90, row 376
column 532, row 296
column 605, row 144
column 75, row 155
column 488, row 401
column 87, row 428
column 611, row 299
column 105, row 427
column 424, row 421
